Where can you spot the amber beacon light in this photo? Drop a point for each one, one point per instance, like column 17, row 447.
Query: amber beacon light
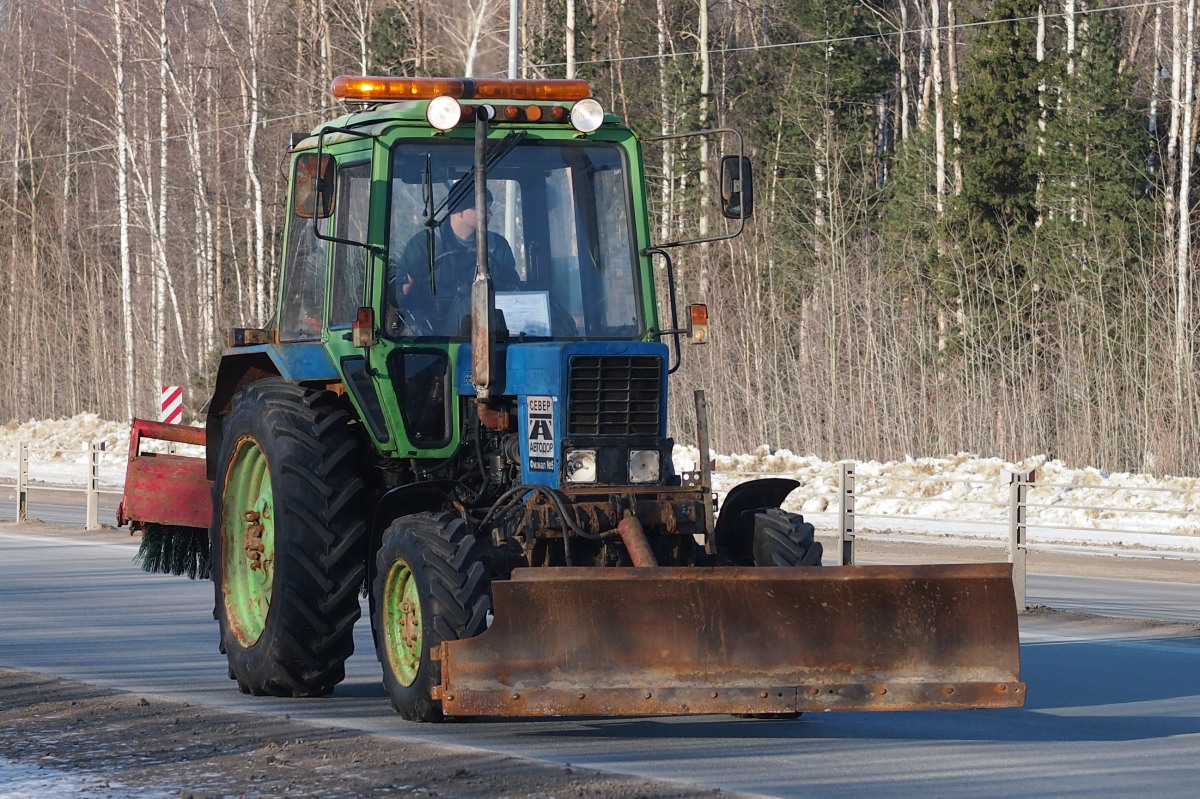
column 387, row 89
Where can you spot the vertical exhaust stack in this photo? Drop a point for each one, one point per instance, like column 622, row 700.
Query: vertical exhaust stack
column 483, row 292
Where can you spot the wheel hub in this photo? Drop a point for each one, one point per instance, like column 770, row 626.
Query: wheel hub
column 248, row 543
column 403, row 634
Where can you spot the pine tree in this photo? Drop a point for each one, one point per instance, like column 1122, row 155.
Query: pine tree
column 997, row 109
column 815, row 115
column 1093, row 175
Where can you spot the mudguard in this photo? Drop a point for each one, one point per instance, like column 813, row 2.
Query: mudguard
column 732, row 532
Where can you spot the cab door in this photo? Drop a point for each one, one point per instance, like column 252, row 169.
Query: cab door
column 349, row 289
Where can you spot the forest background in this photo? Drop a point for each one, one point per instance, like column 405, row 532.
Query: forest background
column 973, row 231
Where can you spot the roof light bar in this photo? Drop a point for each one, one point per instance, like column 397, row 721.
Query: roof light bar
column 388, row 89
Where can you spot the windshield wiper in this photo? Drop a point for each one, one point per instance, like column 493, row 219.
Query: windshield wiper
column 466, row 183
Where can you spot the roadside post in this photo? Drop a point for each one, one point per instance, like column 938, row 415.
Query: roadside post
column 23, row 482
column 93, row 486
column 846, row 513
column 1018, row 544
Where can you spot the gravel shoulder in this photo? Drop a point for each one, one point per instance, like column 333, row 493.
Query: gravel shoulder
column 128, row 743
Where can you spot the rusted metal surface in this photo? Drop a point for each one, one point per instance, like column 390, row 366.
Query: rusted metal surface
column 495, row 418
column 634, row 538
column 162, row 431
column 657, row 508
column 571, row 641
column 165, row 489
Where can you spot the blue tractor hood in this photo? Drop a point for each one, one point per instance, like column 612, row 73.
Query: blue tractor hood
column 538, row 374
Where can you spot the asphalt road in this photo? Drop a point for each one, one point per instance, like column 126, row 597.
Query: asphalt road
column 57, row 506
column 1114, row 706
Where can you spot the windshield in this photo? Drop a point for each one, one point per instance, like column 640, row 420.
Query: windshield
column 560, row 246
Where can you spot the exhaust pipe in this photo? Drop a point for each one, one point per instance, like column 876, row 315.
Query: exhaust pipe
column 483, row 292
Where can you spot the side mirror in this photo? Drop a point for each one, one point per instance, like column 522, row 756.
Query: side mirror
column 312, row 186
column 737, row 187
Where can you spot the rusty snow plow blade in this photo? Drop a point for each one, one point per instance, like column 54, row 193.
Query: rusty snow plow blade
column 678, row 641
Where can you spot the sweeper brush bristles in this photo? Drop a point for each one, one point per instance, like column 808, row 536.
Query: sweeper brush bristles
column 175, row 550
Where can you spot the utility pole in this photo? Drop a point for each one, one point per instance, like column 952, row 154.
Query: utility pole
column 514, row 38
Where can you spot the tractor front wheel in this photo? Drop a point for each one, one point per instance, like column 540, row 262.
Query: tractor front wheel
column 429, row 587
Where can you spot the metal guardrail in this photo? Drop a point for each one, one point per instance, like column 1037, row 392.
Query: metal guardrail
column 90, row 486
column 854, row 495
column 1013, row 501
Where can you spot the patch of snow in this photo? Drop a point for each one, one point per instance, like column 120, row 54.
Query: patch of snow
column 36, row 781
column 968, row 496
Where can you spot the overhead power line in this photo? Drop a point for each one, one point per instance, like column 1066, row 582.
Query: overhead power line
column 861, row 37
column 207, row 131
column 681, row 54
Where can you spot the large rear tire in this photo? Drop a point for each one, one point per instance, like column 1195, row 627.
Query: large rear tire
column 287, row 539
column 429, row 587
column 782, row 538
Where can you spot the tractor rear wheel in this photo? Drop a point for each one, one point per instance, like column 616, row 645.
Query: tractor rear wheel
column 429, row 587
column 782, row 538
column 287, row 540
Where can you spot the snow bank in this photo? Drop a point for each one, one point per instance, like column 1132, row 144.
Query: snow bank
column 967, row 487
column 929, row 495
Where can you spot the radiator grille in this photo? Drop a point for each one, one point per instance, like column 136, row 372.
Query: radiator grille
column 614, row 395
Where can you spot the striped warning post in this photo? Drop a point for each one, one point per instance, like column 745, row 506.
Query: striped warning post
column 171, row 405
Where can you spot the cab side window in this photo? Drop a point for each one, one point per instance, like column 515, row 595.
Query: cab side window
column 350, row 260
column 303, row 290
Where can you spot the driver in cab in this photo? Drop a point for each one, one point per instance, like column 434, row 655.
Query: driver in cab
column 434, row 302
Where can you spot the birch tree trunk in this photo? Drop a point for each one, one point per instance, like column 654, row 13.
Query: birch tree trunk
column 665, row 128
column 118, row 15
column 325, row 40
column 939, row 115
column 1040, row 54
column 1072, row 46
column 1183, row 309
column 924, row 81
column 256, row 207
column 474, row 35
column 570, row 38
column 903, row 66
column 705, row 92
column 952, row 69
column 16, row 301
column 160, row 227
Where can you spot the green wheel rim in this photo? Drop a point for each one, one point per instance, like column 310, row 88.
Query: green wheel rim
column 248, row 542
column 402, row 623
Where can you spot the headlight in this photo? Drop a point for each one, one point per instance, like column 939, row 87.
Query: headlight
column 443, row 112
column 587, row 115
column 643, row 466
column 579, row 466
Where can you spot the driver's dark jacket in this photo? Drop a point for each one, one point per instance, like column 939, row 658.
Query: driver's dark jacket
column 454, row 271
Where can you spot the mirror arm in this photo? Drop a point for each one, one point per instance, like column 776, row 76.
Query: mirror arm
column 375, row 249
column 675, row 331
column 740, row 151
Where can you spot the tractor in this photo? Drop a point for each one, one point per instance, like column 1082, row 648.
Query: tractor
column 459, row 408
